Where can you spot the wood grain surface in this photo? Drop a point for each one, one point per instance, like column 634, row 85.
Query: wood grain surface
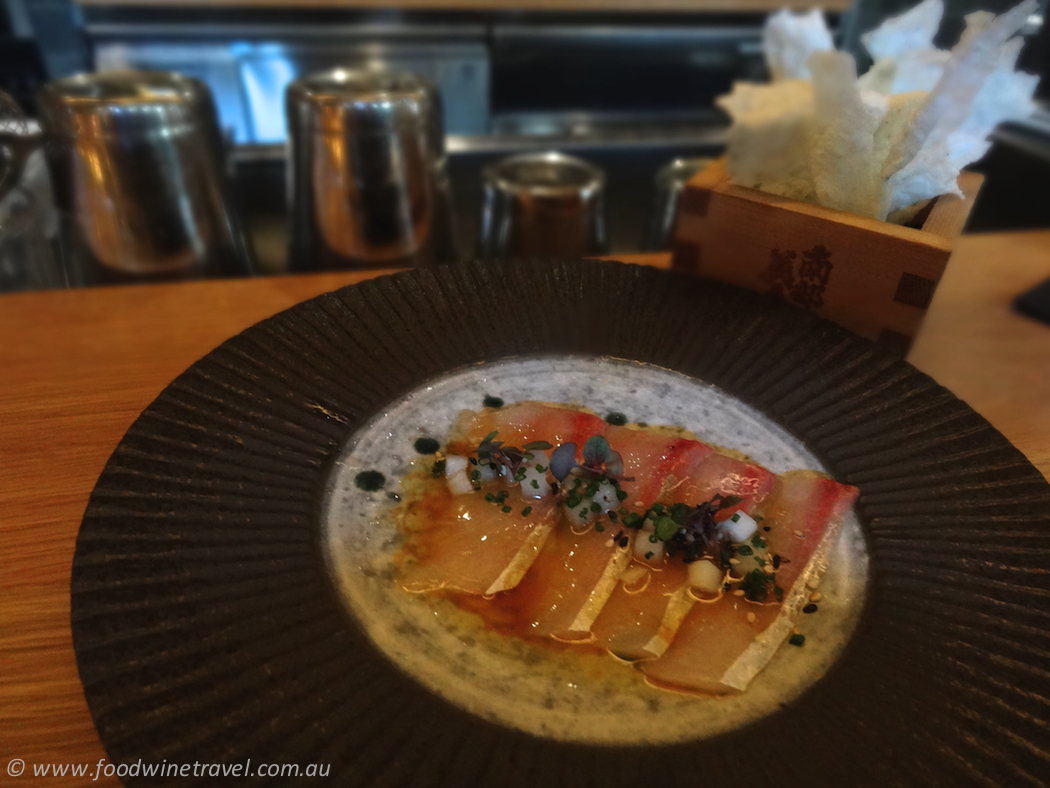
column 870, row 276
column 77, row 367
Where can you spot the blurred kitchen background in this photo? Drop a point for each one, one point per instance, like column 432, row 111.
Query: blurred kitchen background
column 627, row 85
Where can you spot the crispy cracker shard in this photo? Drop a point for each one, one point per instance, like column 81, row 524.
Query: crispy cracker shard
column 884, row 143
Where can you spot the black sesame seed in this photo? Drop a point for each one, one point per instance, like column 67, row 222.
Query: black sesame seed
column 370, row 481
column 427, row 445
column 492, row 402
column 810, row 608
column 776, row 562
column 615, row 418
column 766, row 528
column 393, row 496
column 554, row 487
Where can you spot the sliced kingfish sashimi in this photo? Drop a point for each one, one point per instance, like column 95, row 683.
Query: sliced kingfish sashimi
column 717, row 649
column 639, row 621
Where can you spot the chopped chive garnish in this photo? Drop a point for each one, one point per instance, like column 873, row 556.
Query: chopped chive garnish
column 599, row 528
column 653, row 538
column 621, row 495
column 797, row 640
column 584, row 512
column 507, row 509
column 537, row 446
column 492, row 402
column 596, row 507
column 489, row 437
column 648, row 555
column 535, row 484
column 736, row 517
column 744, row 550
column 526, row 511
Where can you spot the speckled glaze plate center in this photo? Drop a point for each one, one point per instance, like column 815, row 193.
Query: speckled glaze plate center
column 561, row 694
column 214, row 619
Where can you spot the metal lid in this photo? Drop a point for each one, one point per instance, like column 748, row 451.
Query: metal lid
column 364, row 101
column 118, row 102
column 550, row 174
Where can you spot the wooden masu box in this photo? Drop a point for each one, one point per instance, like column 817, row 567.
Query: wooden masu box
column 875, row 278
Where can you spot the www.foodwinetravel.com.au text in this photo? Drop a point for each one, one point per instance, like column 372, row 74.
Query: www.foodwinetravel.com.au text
column 16, row 767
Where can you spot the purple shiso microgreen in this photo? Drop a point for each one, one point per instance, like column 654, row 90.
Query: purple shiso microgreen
column 595, row 451
column 614, row 465
column 563, row 460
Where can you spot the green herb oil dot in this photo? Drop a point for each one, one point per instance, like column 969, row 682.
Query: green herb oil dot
column 370, row 481
column 427, row 445
column 492, row 402
column 615, row 418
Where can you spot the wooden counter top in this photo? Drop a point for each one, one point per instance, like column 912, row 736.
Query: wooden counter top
column 77, row 367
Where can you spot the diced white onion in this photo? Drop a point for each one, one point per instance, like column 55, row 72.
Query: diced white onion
column 606, row 497
column 705, row 576
column 458, row 475
column 739, row 527
column 574, row 513
column 534, row 484
column 642, row 545
column 488, row 472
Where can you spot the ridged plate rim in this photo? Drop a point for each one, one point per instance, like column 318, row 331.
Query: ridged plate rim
column 206, row 627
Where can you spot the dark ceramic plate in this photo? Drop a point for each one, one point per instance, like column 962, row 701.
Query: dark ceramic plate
column 207, row 629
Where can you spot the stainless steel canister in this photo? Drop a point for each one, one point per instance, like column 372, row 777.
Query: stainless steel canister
column 136, row 162
column 543, row 204
column 368, row 183
column 668, row 186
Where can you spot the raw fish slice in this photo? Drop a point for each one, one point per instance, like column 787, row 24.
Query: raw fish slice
column 721, row 474
column 716, row 649
column 467, row 544
column 649, row 459
column 639, row 624
column 567, row 584
column 521, row 423
column 574, row 575
column 472, row 546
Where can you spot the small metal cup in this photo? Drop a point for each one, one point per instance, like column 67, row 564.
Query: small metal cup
column 136, row 162
column 543, row 204
column 368, row 183
column 669, row 183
